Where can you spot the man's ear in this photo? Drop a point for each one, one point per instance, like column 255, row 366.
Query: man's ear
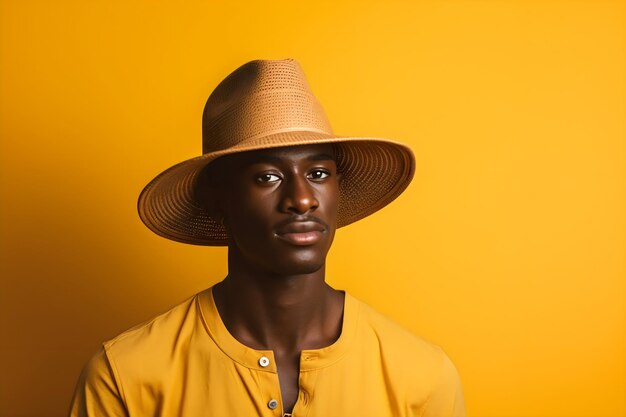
column 213, row 207
column 208, row 195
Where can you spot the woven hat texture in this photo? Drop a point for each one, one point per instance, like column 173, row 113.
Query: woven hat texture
column 261, row 105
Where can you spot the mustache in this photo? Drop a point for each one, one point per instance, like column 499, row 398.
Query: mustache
column 302, row 218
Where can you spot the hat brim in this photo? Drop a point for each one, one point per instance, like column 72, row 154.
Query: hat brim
column 374, row 172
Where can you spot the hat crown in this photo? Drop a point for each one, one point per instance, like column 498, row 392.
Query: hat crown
column 258, row 99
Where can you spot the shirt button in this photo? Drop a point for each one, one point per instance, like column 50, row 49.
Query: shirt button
column 264, row 361
column 272, row 404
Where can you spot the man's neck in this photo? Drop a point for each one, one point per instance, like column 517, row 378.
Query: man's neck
column 285, row 314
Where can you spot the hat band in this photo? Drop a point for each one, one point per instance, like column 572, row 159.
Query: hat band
column 261, row 115
column 284, row 130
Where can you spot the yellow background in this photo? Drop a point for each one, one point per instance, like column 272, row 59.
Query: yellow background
column 507, row 249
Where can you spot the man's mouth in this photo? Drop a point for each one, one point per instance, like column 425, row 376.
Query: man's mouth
column 302, row 239
column 301, row 233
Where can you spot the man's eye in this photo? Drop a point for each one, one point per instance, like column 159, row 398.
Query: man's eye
column 268, row 178
column 318, row 174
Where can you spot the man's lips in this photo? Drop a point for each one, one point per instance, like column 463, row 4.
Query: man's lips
column 301, row 233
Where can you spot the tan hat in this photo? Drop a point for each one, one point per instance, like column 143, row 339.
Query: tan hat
column 261, row 105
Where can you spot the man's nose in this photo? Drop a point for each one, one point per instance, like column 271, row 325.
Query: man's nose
column 298, row 197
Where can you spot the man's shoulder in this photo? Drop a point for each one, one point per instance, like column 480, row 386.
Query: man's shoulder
column 143, row 356
column 157, row 335
column 392, row 330
column 398, row 344
column 411, row 364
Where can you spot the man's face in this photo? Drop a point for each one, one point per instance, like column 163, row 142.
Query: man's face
column 280, row 207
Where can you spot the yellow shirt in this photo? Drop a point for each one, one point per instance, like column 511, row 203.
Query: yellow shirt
column 186, row 363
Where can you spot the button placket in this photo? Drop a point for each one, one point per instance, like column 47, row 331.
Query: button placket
column 269, row 386
column 307, row 382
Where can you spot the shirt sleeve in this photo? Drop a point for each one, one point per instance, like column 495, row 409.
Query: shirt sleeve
column 97, row 393
column 446, row 399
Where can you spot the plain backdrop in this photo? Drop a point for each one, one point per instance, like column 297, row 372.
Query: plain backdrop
column 507, row 249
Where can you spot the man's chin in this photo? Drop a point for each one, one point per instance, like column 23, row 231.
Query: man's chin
column 299, row 268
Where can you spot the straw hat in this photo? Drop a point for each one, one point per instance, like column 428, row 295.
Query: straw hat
column 261, row 105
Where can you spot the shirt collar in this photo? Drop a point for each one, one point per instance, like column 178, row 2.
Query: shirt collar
column 251, row 358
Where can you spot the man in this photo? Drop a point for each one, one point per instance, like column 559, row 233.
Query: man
column 271, row 339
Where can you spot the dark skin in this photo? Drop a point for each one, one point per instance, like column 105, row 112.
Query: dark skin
column 280, row 208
